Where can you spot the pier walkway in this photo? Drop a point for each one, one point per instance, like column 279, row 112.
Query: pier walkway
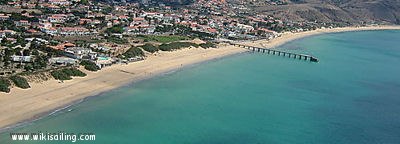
column 279, row 53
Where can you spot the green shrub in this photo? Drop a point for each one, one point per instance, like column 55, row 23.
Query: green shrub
column 92, row 67
column 20, row 82
column 89, row 65
column 207, row 45
column 133, row 52
column 176, row 45
column 59, row 75
column 73, row 72
column 67, row 73
column 4, row 85
column 150, row 48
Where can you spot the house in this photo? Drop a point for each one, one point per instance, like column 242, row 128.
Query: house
column 59, row 2
column 49, row 31
column 27, row 15
column 32, row 31
column 140, row 29
column 212, row 31
column 78, row 52
column 63, row 61
column 57, row 18
column 152, row 15
column 104, row 61
column 4, row 33
column 45, row 25
column 84, row 21
column 265, row 32
column 244, row 28
column 50, row 6
column 22, row 23
column 169, row 18
column 16, row 58
column 137, row 21
column 4, row 17
column 123, row 17
column 37, row 40
column 135, row 59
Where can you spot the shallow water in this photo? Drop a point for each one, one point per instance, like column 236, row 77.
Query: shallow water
column 351, row 96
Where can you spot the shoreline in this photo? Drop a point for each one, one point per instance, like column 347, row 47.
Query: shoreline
column 118, row 76
column 23, row 106
column 290, row 36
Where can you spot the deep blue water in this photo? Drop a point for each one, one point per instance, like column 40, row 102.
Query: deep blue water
column 352, row 96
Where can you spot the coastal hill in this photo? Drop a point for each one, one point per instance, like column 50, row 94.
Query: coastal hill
column 330, row 11
column 340, row 11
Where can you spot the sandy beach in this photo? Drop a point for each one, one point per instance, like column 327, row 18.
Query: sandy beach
column 22, row 105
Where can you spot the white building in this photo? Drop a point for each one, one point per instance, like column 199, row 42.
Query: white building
column 78, row 52
column 63, row 61
column 16, row 58
column 60, row 2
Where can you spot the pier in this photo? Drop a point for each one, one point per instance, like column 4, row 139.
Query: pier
column 279, row 53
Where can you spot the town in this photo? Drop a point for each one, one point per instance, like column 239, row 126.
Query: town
column 58, row 36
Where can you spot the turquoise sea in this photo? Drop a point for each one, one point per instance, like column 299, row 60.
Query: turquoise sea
column 352, row 96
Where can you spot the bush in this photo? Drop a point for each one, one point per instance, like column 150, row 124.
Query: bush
column 150, row 48
column 89, row 65
column 133, row 52
column 207, row 45
column 176, row 45
column 20, row 82
column 4, row 85
column 59, row 75
column 73, row 72
column 67, row 73
column 92, row 67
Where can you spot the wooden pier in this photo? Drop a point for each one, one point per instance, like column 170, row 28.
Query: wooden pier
column 279, row 53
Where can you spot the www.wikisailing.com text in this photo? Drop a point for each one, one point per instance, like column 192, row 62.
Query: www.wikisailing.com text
column 47, row 136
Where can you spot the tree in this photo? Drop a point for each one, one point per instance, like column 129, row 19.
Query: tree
column 40, row 62
column 35, row 52
column 26, row 52
column 89, row 65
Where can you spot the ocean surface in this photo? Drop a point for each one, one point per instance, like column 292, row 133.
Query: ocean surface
column 352, row 96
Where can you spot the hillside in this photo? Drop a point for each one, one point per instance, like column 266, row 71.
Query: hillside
column 332, row 11
column 343, row 11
